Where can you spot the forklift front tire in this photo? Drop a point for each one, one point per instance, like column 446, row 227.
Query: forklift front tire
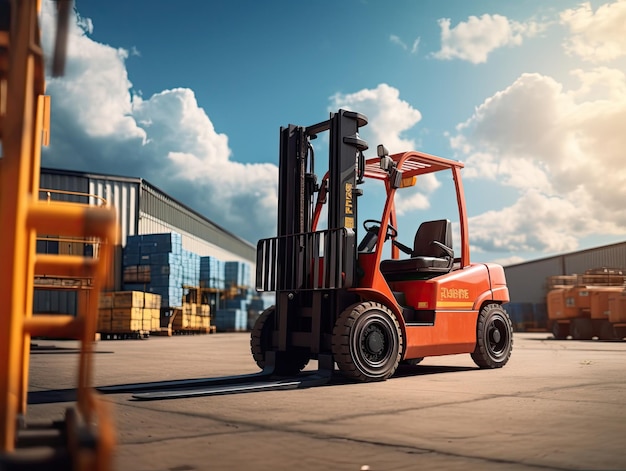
column 494, row 337
column 287, row 363
column 367, row 342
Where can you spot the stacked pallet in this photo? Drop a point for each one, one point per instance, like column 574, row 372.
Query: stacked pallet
column 129, row 312
column 212, row 273
column 603, row 277
column 237, row 274
column 190, row 263
column 192, row 318
column 240, row 312
column 163, row 254
column 231, row 320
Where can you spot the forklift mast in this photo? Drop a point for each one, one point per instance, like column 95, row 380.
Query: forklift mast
column 298, row 182
column 309, row 271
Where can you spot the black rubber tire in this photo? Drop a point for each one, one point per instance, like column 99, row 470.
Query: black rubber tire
column 494, row 337
column 560, row 331
column 581, row 329
column 412, row 361
column 367, row 342
column 607, row 331
column 620, row 332
column 287, row 363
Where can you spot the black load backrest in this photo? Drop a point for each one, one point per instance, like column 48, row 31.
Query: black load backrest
column 429, row 231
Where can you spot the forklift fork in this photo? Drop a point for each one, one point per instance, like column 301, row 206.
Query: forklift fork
column 264, row 380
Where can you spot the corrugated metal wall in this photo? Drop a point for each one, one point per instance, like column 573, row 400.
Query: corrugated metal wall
column 124, row 195
column 141, row 209
column 144, row 209
column 151, row 225
column 199, row 234
column 612, row 256
column 527, row 281
column 73, row 182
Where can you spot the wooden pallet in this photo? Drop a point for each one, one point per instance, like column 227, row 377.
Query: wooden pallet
column 131, row 334
column 194, row 331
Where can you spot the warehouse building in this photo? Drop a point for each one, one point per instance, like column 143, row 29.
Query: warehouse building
column 528, row 281
column 142, row 209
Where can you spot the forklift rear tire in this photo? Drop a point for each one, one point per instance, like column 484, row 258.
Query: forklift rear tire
column 494, row 337
column 287, row 363
column 367, row 342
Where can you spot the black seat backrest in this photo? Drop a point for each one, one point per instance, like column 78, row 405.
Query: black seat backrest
column 440, row 231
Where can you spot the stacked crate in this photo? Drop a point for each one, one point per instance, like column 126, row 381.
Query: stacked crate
column 256, row 306
column 231, row 320
column 237, row 274
column 192, row 317
column 163, row 253
column 211, row 273
column 105, row 308
column 233, row 317
column 128, row 312
column 190, row 268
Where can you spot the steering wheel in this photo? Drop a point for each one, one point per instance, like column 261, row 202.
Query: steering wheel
column 372, row 225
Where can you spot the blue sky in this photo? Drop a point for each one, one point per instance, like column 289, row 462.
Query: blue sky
column 191, row 95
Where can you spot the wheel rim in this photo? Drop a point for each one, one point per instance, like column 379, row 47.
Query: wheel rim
column 497, row 337
column 374, row 345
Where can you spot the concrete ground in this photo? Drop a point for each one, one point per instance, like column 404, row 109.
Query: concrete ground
column 556, row 405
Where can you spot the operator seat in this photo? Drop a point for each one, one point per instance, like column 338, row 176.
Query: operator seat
column 432, row 253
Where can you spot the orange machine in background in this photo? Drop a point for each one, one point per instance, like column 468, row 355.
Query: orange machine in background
column 84, row 440
column 590, row 305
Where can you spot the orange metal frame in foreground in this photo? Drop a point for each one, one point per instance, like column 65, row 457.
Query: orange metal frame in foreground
column 23, row 114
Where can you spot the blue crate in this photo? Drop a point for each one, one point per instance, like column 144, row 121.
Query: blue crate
column 165, row 242
column 161, row 280
column 237, row 273
column 133, row 242
column 213, row 284
column 241, row 304
column 257, row 304
column 170, row 296
column 211, row 267
column 134, row 286
column 161, row 258
column 228, row 320
column 130, row 258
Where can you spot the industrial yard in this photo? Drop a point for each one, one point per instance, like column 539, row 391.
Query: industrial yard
column 557, row 405
column 138, row 334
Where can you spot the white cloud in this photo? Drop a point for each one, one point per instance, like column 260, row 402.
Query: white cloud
column 596, row 37
column 396, row 40
column 416, row 201
column 389, row 116
column 83, row 84
column 167, row 139
column 563, row 150
column 473, row 40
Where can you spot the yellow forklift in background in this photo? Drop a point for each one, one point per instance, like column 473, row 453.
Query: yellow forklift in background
column 84, row 439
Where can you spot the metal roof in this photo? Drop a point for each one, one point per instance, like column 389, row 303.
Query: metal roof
column 410, row 164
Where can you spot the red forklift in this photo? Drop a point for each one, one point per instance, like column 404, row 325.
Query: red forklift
column 337, row 297
column 337, row 300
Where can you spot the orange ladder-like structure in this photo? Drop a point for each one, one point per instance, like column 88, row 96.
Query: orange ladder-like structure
column 84, row 440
